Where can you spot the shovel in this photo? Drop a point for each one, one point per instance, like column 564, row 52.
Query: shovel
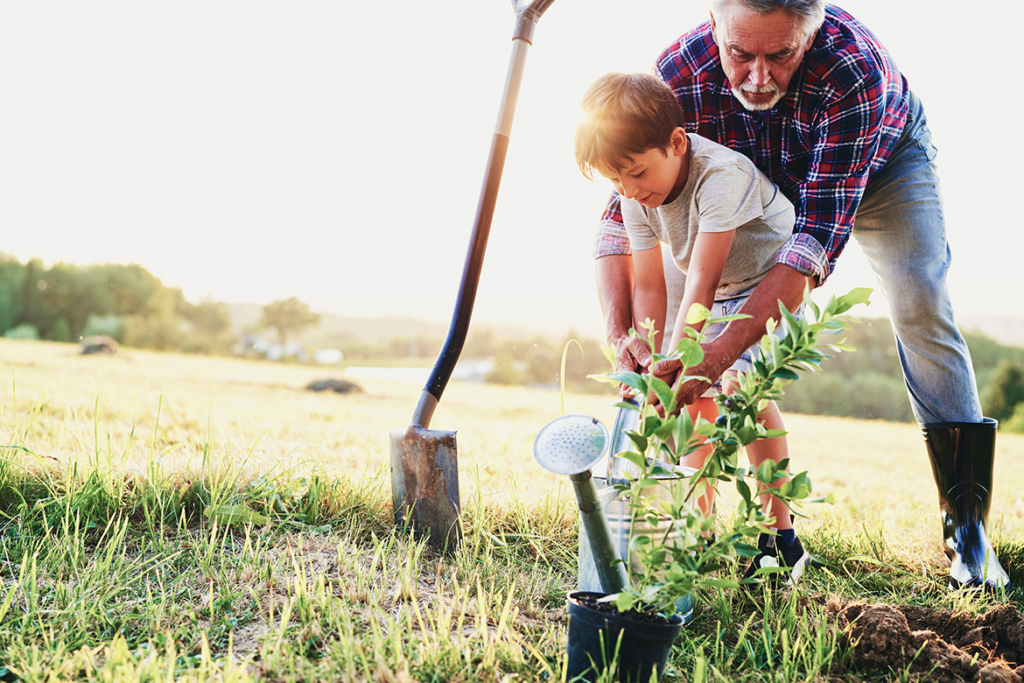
column 424, row 465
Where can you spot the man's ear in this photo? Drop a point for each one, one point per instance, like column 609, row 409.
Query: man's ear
column 714, row 27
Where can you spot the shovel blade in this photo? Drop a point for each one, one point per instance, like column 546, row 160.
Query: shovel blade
column 425, row 484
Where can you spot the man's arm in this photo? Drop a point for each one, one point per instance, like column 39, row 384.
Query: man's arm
column 782, row 283
column 615, row 292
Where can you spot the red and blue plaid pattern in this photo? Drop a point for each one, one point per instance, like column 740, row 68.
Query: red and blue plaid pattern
column 843, row 114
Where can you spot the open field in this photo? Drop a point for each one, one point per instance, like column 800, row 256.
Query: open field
column 111, row 570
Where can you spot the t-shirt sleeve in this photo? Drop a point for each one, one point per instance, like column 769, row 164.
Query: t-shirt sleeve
column 727, row 197
column 638, row 226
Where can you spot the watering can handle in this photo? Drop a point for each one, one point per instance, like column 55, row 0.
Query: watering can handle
column 626, row 419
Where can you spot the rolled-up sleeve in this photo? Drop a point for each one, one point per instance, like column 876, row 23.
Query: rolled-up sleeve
column 611, row 239
column 804, row 253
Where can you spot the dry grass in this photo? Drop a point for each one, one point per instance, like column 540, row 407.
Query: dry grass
column 244, row 406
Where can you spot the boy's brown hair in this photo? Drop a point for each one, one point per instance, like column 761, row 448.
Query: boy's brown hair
column 625, row 115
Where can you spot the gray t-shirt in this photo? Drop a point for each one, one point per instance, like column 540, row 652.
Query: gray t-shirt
column 724, row 191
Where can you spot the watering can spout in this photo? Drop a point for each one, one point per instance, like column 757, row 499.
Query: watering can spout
column 571, row 445
column 611, row 570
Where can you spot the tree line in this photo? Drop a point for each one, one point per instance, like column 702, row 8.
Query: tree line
column 868, row 383
column 67, row 302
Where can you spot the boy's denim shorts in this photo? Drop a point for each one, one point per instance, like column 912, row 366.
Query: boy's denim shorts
column 745, row 363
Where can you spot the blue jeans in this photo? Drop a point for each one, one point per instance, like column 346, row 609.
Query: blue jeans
column 901, row 228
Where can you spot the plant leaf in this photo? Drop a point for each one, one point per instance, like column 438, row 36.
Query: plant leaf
column 630, row 379
column 234, row 514
column 665, row 395
column 690, row 352
column 697, row 314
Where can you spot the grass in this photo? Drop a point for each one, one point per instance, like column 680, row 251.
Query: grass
column 165, row 517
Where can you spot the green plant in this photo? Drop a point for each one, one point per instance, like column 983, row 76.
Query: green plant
column 682, row 556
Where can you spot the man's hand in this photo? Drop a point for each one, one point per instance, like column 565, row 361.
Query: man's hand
column 714, row 364
column 782, row 283
column 631, row 355
column 667, row 370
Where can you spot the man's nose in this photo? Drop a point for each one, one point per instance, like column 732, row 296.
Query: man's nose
column 759, row 76
column 628, row 189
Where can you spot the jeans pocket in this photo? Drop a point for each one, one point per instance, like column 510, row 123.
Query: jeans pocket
column 923, row 138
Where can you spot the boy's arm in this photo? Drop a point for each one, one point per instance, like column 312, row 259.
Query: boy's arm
column 649, row 295
column 707, row 261
column 710, row 251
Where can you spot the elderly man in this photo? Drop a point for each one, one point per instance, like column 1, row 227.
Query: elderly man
column 812, row 97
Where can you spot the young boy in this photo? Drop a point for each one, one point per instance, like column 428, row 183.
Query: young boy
column 723, row 221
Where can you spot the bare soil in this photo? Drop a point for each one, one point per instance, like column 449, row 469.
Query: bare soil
column 935, row 645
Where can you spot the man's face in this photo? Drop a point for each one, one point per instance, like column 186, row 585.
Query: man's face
column 760, row 52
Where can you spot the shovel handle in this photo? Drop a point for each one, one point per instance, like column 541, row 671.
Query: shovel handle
column 459, row 326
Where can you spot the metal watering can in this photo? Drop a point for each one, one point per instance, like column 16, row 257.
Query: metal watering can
column 572, row 445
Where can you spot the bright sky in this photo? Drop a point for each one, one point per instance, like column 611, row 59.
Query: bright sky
column 334, row 150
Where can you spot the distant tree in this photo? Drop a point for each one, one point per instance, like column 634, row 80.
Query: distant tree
column 61, row 330
column 287, row 316
column 1016, row 422
column 12, row 278
column 210, row 323
column 1005, row 391
column 103, row 325
column 208, row 316
column 34, row 308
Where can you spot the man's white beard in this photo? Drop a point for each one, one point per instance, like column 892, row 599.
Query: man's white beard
column 751, row 106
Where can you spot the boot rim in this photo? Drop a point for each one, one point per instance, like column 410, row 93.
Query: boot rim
column 986, row 423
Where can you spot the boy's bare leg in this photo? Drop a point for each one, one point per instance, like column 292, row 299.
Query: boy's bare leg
column 776, row 449
column 706, row 408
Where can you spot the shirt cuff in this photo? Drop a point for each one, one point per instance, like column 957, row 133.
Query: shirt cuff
column 612, row 240
column 805, row 254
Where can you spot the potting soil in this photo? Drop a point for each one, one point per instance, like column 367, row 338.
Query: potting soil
column 592, row 602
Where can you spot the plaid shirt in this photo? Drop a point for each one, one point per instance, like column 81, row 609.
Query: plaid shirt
column 843, row 113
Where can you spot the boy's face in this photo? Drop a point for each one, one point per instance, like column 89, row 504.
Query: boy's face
column 655, row 177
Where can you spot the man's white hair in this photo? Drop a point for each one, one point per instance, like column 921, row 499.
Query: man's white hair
column 812, row 12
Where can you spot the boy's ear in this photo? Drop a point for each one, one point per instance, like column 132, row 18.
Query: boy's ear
column 679, row 142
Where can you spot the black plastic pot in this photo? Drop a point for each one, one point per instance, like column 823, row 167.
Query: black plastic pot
column 594, row 637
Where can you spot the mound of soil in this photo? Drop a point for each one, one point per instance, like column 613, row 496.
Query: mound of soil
column 340, row 386
column 98, row 344
column 937, row 645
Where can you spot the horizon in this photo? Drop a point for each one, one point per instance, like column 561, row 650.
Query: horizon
column 254, row 155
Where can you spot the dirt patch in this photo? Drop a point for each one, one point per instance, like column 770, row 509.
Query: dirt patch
column 936, row 645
